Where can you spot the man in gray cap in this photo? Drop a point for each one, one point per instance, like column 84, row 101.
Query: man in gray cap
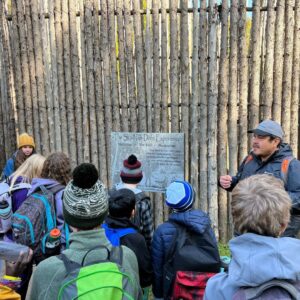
column 269, row 155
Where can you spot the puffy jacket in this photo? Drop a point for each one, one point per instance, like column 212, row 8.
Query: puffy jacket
column 273, row 166
column 195, row 220
column 9, row 167
column 256, row 259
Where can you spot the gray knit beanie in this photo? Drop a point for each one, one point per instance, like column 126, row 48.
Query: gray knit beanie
column 85, row 208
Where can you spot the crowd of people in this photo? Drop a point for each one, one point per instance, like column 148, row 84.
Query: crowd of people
column 88, row 241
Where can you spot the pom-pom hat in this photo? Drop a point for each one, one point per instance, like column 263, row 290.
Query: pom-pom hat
column 180, row 195
column 131, row 171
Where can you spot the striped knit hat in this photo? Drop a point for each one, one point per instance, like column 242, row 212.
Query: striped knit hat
column 85, row 206
column 131, row 171
column 180, row 195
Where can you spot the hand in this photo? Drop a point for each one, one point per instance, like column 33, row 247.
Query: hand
column 17, row 268
column 225, row 181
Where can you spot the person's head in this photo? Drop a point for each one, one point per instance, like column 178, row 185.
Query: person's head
column 267, row 137
column 121, row 203
column 180, row 196
column 85, row 200
column 57, row 166
column 260, row 205
column 131, row 172
column 26, row 144
column 31, row 168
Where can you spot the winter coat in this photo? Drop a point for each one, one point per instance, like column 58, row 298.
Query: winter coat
column 49, row 183
column 9, row 167
column 194, row 220
column 47, row 278
column 136, row 242
column 256, row 259
column 18, row 196
column 273, row 166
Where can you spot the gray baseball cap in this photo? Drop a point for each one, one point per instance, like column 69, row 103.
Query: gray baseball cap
column 268, row 127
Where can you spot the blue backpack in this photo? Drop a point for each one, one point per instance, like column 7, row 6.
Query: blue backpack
column 114, row 234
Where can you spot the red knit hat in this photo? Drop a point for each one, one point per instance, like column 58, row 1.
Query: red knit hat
column 131, row 171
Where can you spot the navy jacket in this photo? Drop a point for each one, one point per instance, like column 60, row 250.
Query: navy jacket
column 195, row 220
column 273, row 166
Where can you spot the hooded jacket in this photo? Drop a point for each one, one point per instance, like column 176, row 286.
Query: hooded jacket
column 49, row 183
column 194, row 220
column 273, row 166
column 256, row 259
column 136, row 242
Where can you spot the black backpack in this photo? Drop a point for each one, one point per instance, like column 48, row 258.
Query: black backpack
column 189, row 251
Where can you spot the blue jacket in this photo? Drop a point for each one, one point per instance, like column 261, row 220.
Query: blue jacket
column 195, row 220
column 9, row 167
column 256, row 259
column 273, row 166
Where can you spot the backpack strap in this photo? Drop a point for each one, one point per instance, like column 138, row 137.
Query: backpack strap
column 248, row 158
column 255, row 292
column 285, row 168
column 53, row 190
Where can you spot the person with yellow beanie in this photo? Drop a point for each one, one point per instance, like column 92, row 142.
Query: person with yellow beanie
column 26, row 147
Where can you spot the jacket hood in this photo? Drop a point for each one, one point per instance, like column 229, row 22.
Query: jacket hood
column 284, row 150
column 119, row 222
column 37, row 182
column 257, row 259
column 195, row 220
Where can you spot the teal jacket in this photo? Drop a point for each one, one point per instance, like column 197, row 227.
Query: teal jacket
column 47, row 278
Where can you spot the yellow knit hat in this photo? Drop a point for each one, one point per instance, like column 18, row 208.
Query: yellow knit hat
column 25, row 140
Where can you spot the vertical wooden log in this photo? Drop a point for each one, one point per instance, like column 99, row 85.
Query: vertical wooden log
column 287, row 70
column 295, row 81
column 113, row 66
column 194, row 106
column 24, row 67
column 174, row 66
column 129, row 65
column 151, row 44
column 255, row 66
column 233, row 93
column 75, row 67
column 164, row 68
column 68, row 83
column 99, row 98
column 32, row 75
column 243, row 82
column 60, row 75
column 269, row 62
column 122, row 68
column 17, row 69
column 89, row 52
column 278, row 60
column 85, row 109
column 40, row 78
column 212, row 116
column 48, row 76
column 203, row 106
column 185, row 91
column 140, row 72
column 222, row 121
column 106, row 84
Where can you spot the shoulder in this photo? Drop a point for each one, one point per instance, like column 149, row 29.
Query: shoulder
column 218, row 287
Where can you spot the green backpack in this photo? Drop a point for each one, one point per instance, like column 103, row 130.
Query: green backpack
column 101, row 279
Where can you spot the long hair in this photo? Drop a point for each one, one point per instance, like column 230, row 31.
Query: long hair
column 57, row 166
column 31, row 168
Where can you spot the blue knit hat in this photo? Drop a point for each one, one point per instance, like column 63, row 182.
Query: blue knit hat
column 180, row 195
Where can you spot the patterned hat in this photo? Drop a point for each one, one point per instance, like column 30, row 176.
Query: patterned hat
column 180, row 195
column 25, row 140
column 85, row 208
column 131, row 171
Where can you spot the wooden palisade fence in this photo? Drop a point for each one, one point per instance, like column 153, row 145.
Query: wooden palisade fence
column 72, row 71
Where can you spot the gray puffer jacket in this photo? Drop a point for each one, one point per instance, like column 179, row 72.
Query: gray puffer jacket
column 273, row 166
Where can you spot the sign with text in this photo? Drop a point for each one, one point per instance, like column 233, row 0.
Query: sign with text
column 161, row 155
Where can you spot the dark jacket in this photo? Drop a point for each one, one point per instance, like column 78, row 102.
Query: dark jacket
column 273, row 166
column 195, row 220
column 136, row 242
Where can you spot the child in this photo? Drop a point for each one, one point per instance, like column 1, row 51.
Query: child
column 121, row 209
column 261, row 211
column 131, row 175
column 26, row 147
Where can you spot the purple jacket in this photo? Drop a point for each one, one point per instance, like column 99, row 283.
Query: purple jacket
column 18, row 196
column 48, row 183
